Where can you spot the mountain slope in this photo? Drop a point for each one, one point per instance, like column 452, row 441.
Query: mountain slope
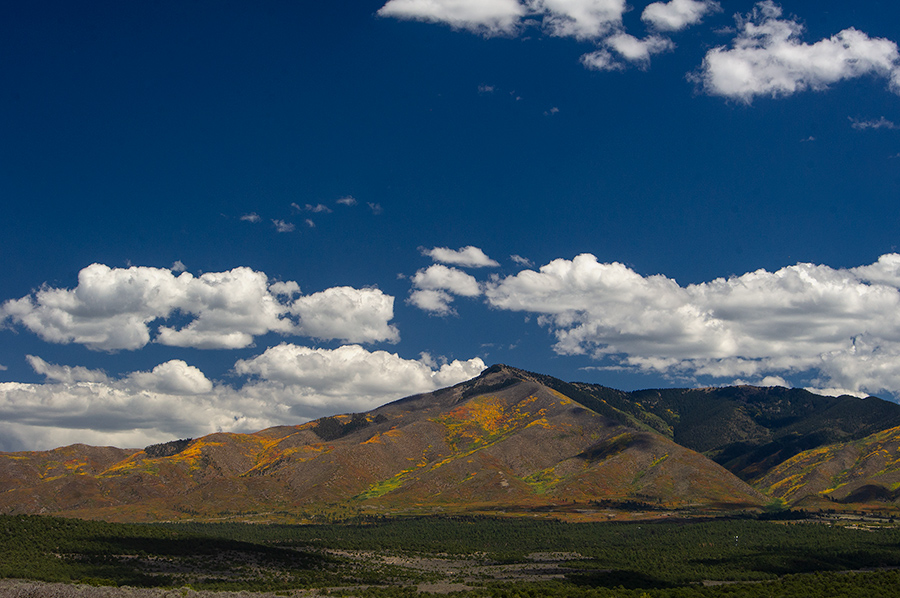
column 750, row 430
column 865, row 471
column 506, row 439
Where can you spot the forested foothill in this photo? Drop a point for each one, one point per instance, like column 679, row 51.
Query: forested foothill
column 820, row 555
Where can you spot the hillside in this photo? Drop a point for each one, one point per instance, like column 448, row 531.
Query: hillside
column 864, row 471
column 750, row 430
column 507, row 440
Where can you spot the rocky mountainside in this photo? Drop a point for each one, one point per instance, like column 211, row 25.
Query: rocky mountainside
column 507, row 440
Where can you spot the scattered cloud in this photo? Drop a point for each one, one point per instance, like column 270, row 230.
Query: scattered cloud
column 309, row 223
column 287, row 384
column 64, row 373
column 318, row 208
column 467, row 257
column 282, row 226
column 581, row 19
column 433, row 301
column 522, row 261
column 767, row 58
column 678, row 14
column 881, row 123
column 486, row 89
column 637, row 50
column 839, row 326
column 435, row 286
column 439, row 277
column 552, row 111
column 251, row 217
column 347, row 200
column 178, row 266
column 601, row 60
column 376, row 208
column 118, row 308
column 3, row 368
column 487, row 17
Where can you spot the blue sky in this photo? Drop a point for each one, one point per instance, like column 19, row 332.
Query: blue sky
column 220, row 216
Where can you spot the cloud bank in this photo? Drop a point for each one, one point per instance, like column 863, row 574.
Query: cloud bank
column 287, row 384
column 839, row 327
column 126, row 308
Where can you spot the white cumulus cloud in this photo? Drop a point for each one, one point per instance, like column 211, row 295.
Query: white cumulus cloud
column 768, row 58
column 350, row 374
column 435, row 302
column 839, row 327
column 439, row 277
column 678, row 14
column 581, row 19
column 172, row 377
column 467, row 257
column 172, row 401
column 354, row 315
column 637, row 50
column 435, row 286
column 125, row 308
column 287, row 384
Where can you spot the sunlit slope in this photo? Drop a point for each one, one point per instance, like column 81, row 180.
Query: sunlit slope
column 505, row 440
column 48, row 481
column 865, row 471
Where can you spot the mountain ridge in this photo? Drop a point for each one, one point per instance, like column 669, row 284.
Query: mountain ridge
column 507, row 440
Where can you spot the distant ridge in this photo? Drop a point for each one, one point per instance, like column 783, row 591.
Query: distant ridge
column 506, row 441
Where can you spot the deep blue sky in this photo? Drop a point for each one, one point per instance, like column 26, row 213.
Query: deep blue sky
column 140, row 134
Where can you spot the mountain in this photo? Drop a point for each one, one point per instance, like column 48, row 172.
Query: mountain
column 864, row 471
column 506, row 440
column 749, row 430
